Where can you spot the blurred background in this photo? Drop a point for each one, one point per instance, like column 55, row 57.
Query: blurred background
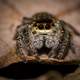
column 12, row 11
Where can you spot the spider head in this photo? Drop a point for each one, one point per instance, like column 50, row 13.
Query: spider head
column 43, row 23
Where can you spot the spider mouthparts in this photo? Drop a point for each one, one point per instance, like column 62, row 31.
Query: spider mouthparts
column 43, row 50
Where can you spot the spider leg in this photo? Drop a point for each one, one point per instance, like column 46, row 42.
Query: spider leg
column 18, row 39
column 64, row 45
column 70, row 28
column 73, row 47
column 74, row 30
column 20, row 51
column 23, row 41
column 62, row 52
column 26, row 20
column 52, row 53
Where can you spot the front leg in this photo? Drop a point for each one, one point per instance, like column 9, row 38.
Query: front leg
column 57, row 53
column 23, row 45
column 64, row 45
column 52, row 53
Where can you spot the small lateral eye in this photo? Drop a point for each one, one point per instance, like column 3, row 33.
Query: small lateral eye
column 48, row 26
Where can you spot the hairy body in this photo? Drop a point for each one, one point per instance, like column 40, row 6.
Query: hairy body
column 44, row 34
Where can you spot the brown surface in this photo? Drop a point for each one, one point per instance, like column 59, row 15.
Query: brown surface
column 11, row 12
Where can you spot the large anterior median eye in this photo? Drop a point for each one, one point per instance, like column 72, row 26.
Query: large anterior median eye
column 40, row 27
column 47, row 26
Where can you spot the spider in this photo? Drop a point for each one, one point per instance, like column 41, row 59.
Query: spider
column 43, row 33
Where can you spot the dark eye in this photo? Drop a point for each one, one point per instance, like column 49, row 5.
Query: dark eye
column 47, row 26
column 40, row 26
column 52, row 24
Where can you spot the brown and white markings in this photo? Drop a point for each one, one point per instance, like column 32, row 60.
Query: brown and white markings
column 44, row 37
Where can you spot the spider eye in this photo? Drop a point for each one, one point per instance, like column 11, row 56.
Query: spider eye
column 40, row 26
column 48, row 26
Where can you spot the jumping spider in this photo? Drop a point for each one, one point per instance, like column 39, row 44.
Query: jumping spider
column 42, row 34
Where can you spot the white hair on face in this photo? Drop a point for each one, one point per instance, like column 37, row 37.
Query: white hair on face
column 37, row 41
